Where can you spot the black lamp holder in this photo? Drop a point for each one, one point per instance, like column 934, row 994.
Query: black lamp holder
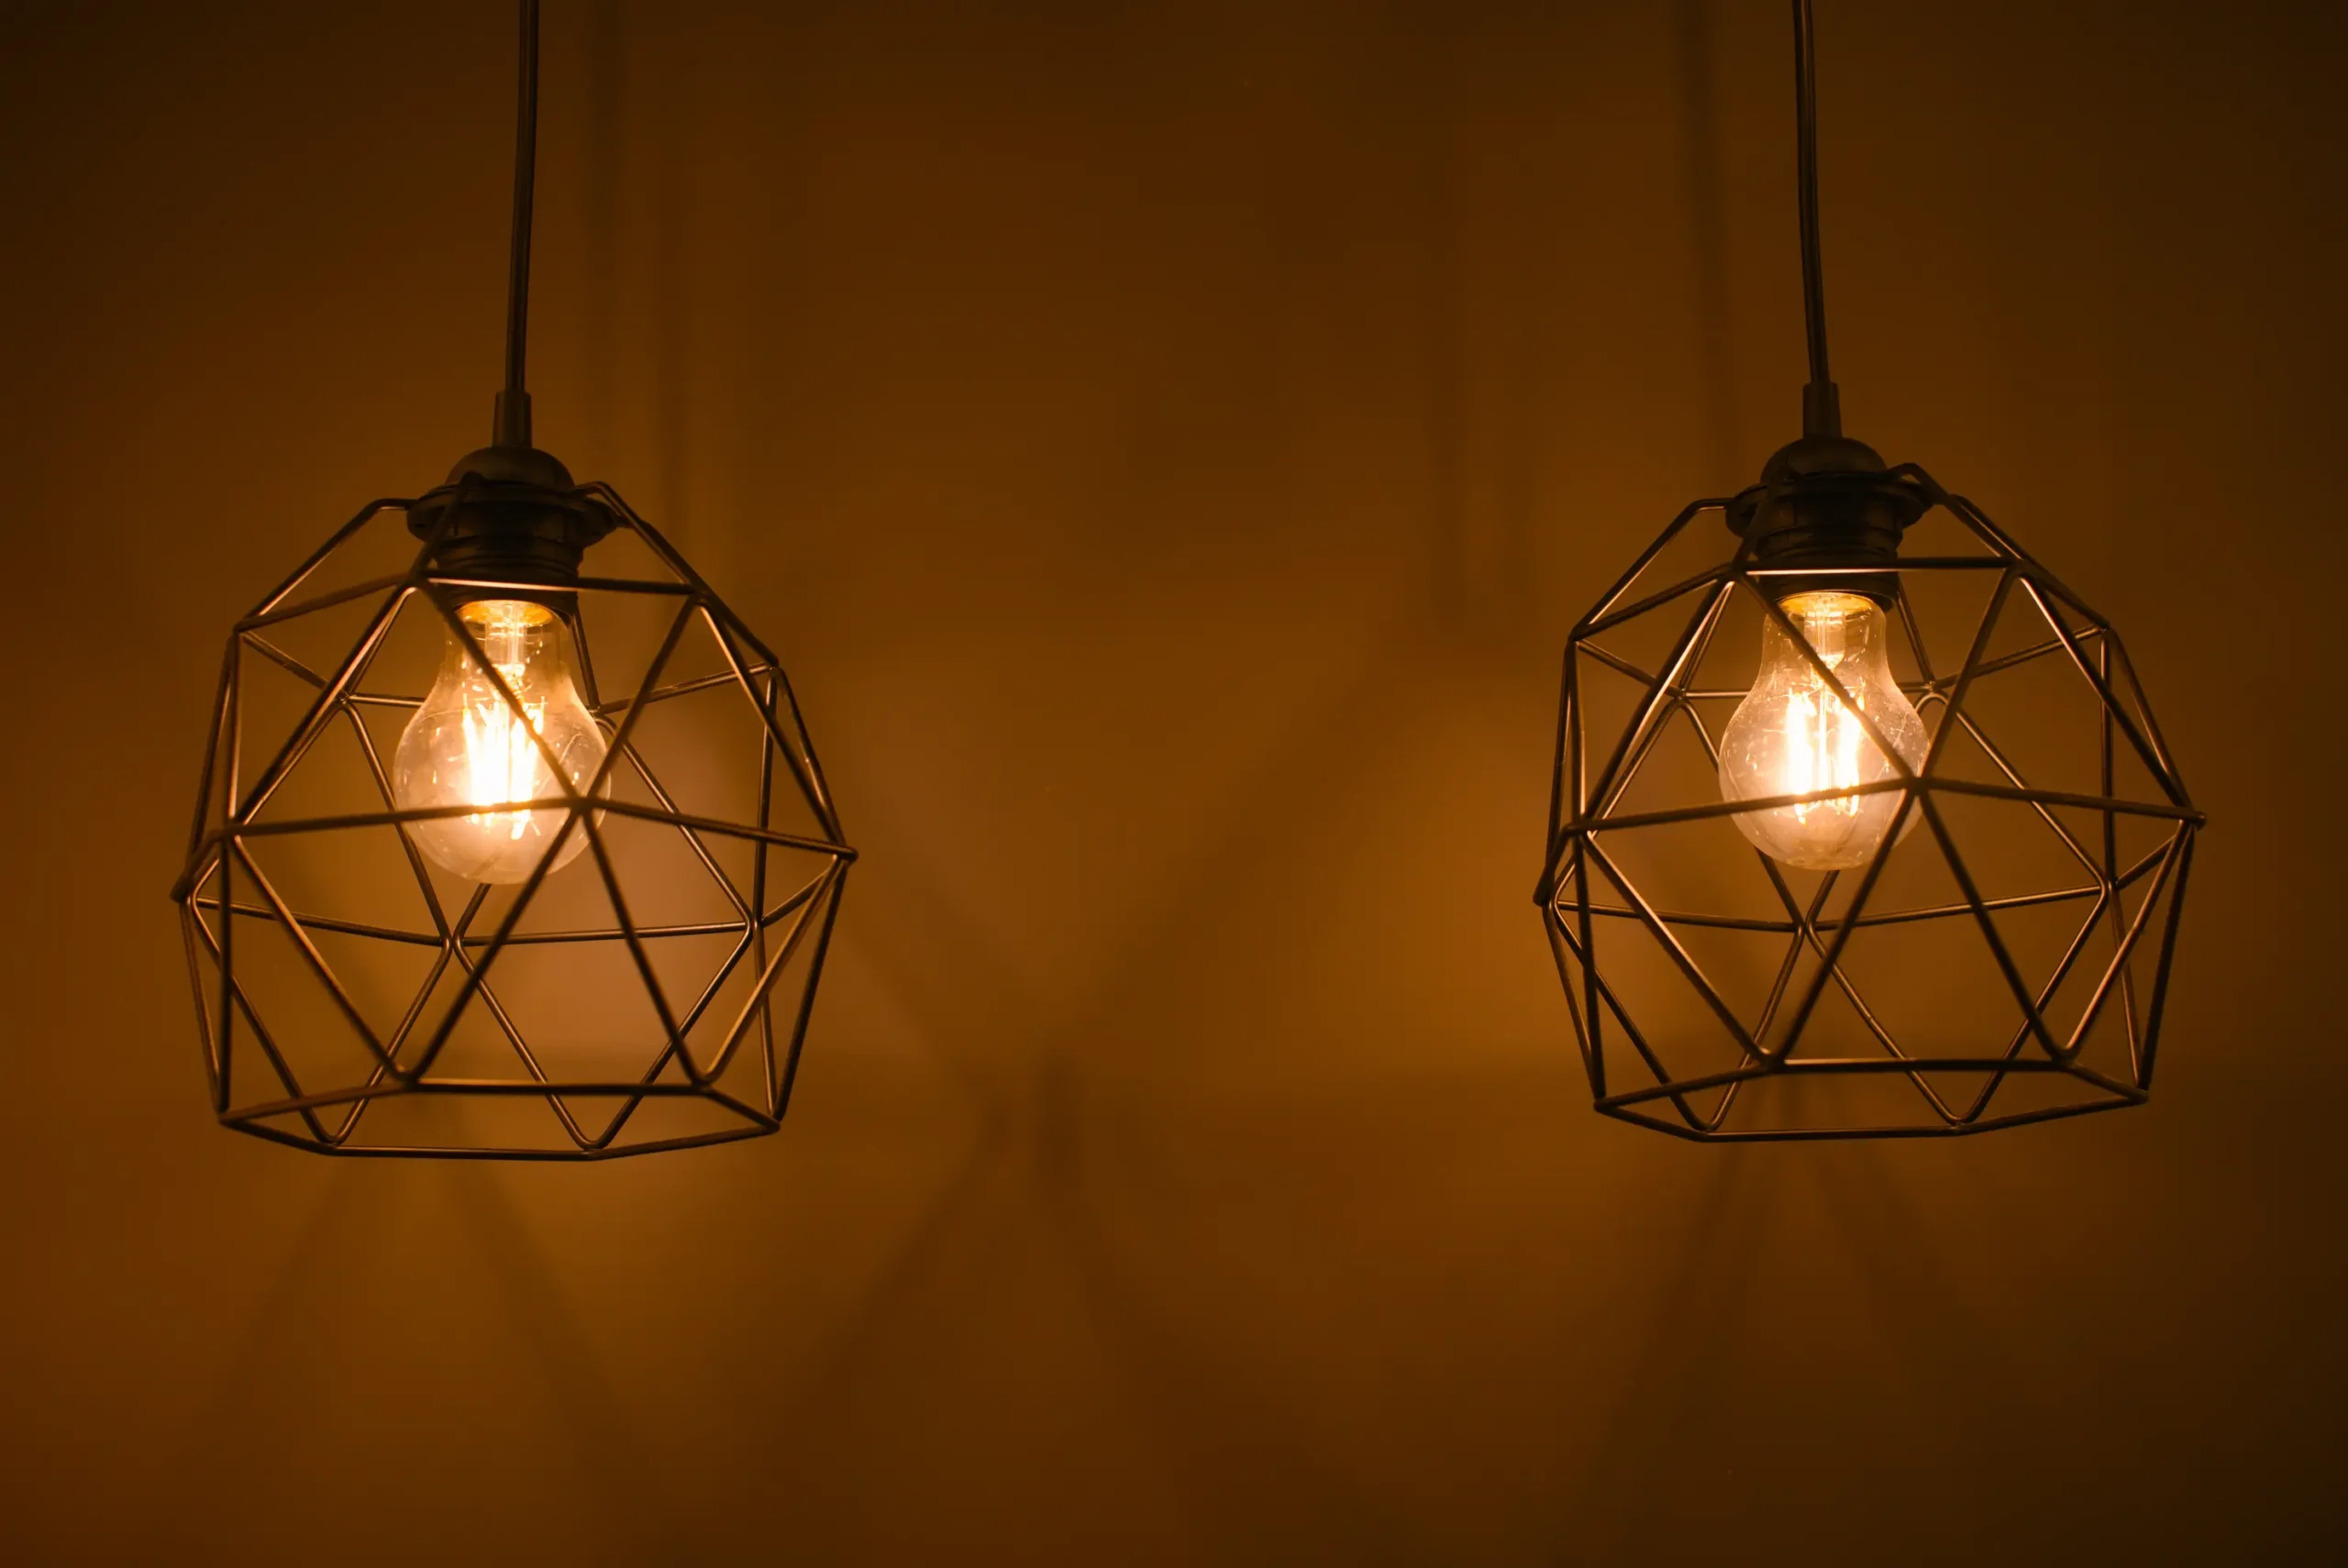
column 510, row 512
column 1825, row 503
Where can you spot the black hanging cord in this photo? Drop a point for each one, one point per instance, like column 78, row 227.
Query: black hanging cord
column 1822, row 412
column 514, row 403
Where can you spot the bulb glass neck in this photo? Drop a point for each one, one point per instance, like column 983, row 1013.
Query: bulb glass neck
column 1837, row 626
column 510, row 631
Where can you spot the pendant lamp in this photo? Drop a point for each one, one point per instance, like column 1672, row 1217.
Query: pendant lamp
column 510, row 842
column 1861, row 825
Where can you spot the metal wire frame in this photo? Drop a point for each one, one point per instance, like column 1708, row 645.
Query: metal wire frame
column 775, row 928
column 1585, row 890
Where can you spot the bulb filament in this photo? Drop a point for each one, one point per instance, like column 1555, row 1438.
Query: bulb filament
column 500, row 747
column 1823, row 734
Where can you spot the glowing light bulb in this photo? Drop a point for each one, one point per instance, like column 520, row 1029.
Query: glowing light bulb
column 1796, row 734
column 467, row 747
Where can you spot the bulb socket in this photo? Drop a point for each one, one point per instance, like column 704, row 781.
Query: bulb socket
column 1826, row 512
column 509, row 523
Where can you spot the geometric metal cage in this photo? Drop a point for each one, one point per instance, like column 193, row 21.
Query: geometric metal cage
column 2004, row 955
column 353, row 998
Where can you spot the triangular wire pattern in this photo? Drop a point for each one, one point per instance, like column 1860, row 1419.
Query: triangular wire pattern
column 653, row 994
column 2003, row 958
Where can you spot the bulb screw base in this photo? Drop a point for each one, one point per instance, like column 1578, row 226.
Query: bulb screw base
column 512, row 516
column 1826, row 512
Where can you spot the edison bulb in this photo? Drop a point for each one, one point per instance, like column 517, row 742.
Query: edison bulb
column 467, row 747
column 1795, row 734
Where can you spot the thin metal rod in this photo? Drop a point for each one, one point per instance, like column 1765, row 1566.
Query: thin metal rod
column 604, row 805
column 737, row 928
column 686, row 688
column 514, row 403
column 1821, row 1136
column 455, row 1151
column 758, row 858
column 831, row 906
column 1668, row 917
column 1822, row 412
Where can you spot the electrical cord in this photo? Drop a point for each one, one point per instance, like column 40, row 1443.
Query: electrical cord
column 1822, row 411
column 514, row 403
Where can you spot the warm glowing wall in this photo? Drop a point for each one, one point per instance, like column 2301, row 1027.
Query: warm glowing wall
column 1168, row 444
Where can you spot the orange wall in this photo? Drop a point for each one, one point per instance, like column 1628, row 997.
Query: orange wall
column 1168, row 444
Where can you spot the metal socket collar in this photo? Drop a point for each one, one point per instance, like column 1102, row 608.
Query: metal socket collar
column 510, row 516
column 1829, row 504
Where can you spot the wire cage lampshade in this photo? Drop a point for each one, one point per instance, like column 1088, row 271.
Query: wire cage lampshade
column 355, row 997
column 498, row 853
column 1861, row 824
column 2000, row 956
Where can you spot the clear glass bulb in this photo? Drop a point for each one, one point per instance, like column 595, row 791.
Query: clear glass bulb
column 467, row 747
column 1795, row 735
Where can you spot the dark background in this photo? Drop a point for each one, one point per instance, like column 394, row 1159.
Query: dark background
column 1168, row 444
